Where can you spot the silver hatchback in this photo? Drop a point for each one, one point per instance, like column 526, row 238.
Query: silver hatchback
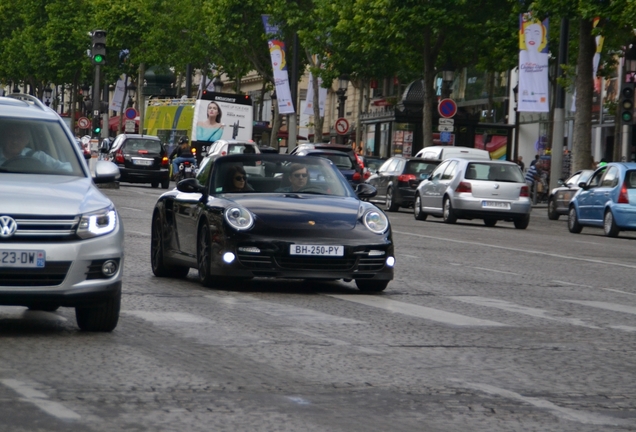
column 61, row 240
column 459, row 188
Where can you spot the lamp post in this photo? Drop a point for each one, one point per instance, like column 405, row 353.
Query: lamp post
column 16, row 89
column 48, row 92
column 218, row 84
column 132, row 90
column 448, row 75
column 515, row 154
column 343, row 83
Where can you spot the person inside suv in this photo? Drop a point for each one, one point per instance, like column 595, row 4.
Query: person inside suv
column 14, row 145
column 181, row 153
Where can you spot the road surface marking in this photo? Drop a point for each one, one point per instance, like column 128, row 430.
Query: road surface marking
column 416, row 311
column 573, row 284
column 410, row 256
column 168, row 317
column 618, row 291
column 528, row 251
column 515, row 308
column 336, row 342
column 40, row 400
column 607, row 306
column 484, row 268
column 566, row 413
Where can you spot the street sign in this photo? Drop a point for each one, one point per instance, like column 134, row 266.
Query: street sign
column 445, row 137
column 131, row 113
column 130, row 126
column 83, row 123
column 445, row 128
column 446, row 121
column 342, row 126
column 447, row 108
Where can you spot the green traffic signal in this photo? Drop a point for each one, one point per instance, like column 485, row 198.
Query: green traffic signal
column 97, row 130
column 98, row 59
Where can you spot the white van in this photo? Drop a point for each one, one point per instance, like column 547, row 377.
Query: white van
column 445, row 152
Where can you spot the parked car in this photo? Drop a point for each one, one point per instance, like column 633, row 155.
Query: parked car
column 445, row 152
column 61, row 240
column 326, row 146
column 371, row 164
column 322, row 230
column 607, row 200
column 141, row 159
column 459, row 188
column 397, row 179
column 559, row 198
column 347, row 165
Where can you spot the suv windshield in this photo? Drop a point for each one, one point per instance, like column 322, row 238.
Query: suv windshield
column 37, row 147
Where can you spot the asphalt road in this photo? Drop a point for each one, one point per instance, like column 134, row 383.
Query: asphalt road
column 484, row 329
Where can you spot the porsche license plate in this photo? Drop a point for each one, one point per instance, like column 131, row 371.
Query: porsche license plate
column 495, row 204
column 316, row 250
column 22, row 258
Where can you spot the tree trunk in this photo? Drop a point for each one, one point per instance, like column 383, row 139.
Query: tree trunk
column 582, row 139
column 429, row 94
column 318, row 120
column 358, row 137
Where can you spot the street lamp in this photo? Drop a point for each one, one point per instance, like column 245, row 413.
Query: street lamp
column 16, row 89
column 132, row 89
column 448, row 75
column 218, row 84
column 515, row 154
column 343, row 83
column 48, row 92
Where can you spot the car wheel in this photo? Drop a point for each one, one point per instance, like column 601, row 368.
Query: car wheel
column 522, row 222
column 490, row 222
column 101, row 318
column 573, row 222
column 552, row 213
column 390, row 204
column 204, row 255
column 418, row 214
column 448, row 212
column 165, row 184
column 156, row 254
column 155, row 185
column 609, row 225
column 366, row 285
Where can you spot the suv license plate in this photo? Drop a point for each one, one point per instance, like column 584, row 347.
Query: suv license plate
column 316, row 250
column 495, row 204
column 22, row 258
column 144, row 162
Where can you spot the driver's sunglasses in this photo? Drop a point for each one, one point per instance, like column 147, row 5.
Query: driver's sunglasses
column 239, row 178
column 301, row 175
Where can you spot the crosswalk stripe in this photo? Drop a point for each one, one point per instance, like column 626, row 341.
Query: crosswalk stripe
column 417, row 311
column 607, row 306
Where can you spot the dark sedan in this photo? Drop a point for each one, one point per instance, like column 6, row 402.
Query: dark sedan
column 298, row 219
column 559, row 199
column 397, row 179
column 141, row 159
column 345, row 162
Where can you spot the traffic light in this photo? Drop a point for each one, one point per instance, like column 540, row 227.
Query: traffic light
column 627, row 103
column 98, row 47
column 97, row 128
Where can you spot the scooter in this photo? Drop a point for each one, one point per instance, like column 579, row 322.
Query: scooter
column 187, row 169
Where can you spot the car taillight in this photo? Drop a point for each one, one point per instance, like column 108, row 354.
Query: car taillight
column 405, row 178
column 356, row 176
column 165, row 161
column 524, row 192
column 223, row 153
column 464, row 187
column 623, row 198
column 119, row 157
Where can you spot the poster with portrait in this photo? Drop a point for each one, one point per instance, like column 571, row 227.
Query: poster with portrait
column 223, row 117
column 279, row 66
column 533, row 64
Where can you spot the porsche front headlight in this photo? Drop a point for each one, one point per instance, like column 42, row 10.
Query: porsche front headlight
column 239, row 218
column 97, row 223
column 376, row 221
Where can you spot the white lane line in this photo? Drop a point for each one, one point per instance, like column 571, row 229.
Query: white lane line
column 573, row 284
column 417, row 311
column 168, row 317
column 484, row 268
column 40, row 400
column 566, row 413
column 533, row 252
column 624, row 328
column 515, row 308
column 618, row 291
column 132, row 208
column 607, row 306
column 306, row 316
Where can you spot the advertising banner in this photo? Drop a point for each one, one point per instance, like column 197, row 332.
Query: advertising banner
column 279, row 65
column 118, row 97
column 309, row 101
column 223, row 117
column 533, row 64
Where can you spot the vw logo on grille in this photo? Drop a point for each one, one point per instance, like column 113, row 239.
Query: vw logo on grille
column 496, row 186
column 8, row 226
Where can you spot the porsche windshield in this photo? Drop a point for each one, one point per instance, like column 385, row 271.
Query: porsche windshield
column 273, row 173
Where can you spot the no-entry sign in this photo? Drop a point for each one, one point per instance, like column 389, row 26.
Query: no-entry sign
column 447, row 108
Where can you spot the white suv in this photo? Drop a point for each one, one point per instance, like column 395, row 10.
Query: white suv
column 61, row 240
column 228, row 147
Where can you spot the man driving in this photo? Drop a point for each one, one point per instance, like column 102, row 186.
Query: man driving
column 298, row 176
column 14, row 141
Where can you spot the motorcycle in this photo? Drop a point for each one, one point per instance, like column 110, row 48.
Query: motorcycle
column 187, row 169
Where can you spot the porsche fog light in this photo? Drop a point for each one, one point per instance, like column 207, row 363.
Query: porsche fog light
column 239, row 218
column 390, row 261
column 109, row 268
column 229, row 257
column 376, row 253
column 376, row 221
column 97, row 223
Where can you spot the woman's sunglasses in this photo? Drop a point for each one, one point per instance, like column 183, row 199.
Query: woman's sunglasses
column 239, row 178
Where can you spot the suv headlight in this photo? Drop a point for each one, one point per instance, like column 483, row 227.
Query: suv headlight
column 97, row 223
column 239, row 218
column 376, row 221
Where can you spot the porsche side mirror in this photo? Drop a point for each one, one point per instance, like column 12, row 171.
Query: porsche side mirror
column 191, row 185
column 365, row 190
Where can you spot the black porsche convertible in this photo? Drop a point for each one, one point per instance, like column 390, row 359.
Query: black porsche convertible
column 275, row 216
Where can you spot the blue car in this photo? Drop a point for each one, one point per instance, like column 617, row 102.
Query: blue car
column 607, row 200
